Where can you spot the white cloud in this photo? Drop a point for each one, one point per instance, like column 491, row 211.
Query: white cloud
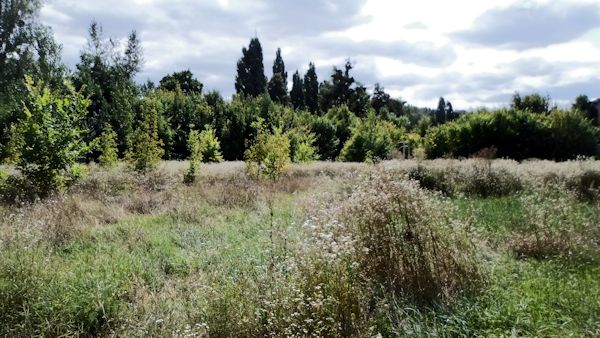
column 421, row 50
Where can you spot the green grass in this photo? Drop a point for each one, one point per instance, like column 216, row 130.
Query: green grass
column 197, row 273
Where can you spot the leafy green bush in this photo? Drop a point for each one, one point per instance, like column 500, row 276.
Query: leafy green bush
column 47, row 138
column 269, row 154
column 209, row 145
column 519, row 135
column 370, row 139
column 107, row 146
column 145, row 149
column 301, row 145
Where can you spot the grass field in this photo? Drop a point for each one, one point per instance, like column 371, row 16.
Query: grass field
column 481, row 248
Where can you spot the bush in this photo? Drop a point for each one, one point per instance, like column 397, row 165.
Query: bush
column 269, row 154
column 145, row 149
column 195, row 156
column 209, row 146
column 586, row 185
column 519, row 135
column 47, row 138
column 301, row 145
column 406, row 244
column 371, row 139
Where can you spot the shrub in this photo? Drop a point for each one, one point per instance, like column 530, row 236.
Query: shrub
column 107, row 146
column 47, row 138
column 371, row 139
column 586, row 185
column 145, row 149
column 326, row 140
column 269, row 154
column 209, row 146
column 406, row 244
column 301, row 145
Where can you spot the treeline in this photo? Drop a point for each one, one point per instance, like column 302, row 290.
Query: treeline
column 334, row 119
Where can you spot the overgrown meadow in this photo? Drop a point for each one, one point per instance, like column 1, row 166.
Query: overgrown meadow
column 399, row 248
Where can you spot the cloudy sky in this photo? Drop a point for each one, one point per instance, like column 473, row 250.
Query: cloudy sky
column 473, row 53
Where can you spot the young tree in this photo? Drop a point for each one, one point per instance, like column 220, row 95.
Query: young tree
column 145, row 149
column 297, row 92
column 47, row 137
column 209, row 145
column 195, row 157
column 311, row 89
column 269, row 154
column 251, row 79
column 440, row 113
column 107, row 146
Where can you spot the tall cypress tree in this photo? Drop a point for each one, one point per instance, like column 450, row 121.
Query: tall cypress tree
column 311, row 89
column 297, row 93
column 251, row 79
column 278, row 83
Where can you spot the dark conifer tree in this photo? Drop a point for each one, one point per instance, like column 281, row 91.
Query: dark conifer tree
column 278, row 83
column 311, row 89
column 440, row 113
column 297, row 93
column 250, row 79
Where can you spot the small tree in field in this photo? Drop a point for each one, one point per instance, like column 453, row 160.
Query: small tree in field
column 107, row 145
column 46, row 141
column 145, row 149
column 269, row 154
column 209, row 144
column 195, row 156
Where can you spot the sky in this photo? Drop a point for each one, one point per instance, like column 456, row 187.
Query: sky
column 473, row 53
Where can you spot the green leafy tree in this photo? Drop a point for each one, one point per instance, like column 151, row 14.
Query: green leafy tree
column 311, row 89
column 344, row 121
column 26, row 48
column 47, row 140
column 534, row 103
column 145, row 149
column 269, row 154
column 326, row 139
column 251, row 79
column 297, row 92
column 380, row 98
column 339, row 89
column 278, row 84
column 185, row 80
column 107, row 146
column 106, row 73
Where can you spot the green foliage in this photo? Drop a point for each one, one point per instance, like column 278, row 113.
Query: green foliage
column 47, row 138
column 297, row 92
column 184, row 80
column 301, row 145
column 106, row 74
column 518, row 135
column 326, row 139
column 208, row 145
column 250, row 79
column 145, row 146
column 344, row 121
column 107, row 146
column 26, row 48
column 371, row 139
column 582, row 104
column 269, row 154
column 277, row 86
column 533, row 103
column 195, row 157
column 572, row 134
column 311, row 89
